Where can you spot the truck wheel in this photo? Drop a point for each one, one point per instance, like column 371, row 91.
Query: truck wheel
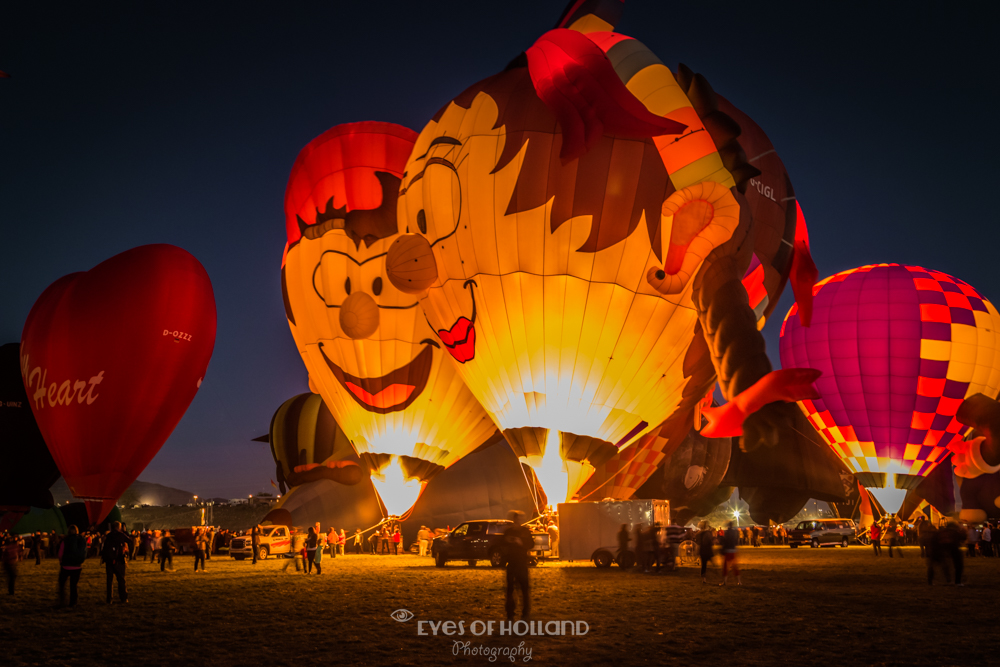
column 239, row 557
column 603, row 558
column 815, row 543
column 844, row 543
column 439, row 559
column 794, row 546
column 261, row 553
column 496, row 558
column 472, row 563
column 532, row 562
column 626, row 560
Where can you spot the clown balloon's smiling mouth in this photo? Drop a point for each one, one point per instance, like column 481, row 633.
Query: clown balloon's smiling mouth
column 392, row 392
column 460, row 339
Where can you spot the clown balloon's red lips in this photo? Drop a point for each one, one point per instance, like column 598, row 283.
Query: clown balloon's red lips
column 392, row 392
column 460, row 339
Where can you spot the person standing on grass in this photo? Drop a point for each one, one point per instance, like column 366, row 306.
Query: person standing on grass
column 730, row 543
column 11, row 554
column 875, row 533
column 357, row 541
column 318, row 554
column 311, row 543
column 623, row 540
column 167, row 546
column 72, row 552
column 986, row 540
column 297, row 551
column 893, row 529
column 706, row 545
column 553, row 530
column 933, row 546
column 397, row 542
column 200, row 549
column 952, row 537
column 255, row 542
column 114, row 553
column 517, row 542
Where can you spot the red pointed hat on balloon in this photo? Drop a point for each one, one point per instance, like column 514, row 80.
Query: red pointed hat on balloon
column 111, row 359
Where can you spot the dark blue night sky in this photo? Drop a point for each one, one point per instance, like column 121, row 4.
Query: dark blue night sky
column 155, row 122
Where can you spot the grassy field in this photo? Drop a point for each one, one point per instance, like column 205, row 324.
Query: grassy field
column 804, row 606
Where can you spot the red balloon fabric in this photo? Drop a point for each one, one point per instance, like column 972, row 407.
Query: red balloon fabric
column 111, row 359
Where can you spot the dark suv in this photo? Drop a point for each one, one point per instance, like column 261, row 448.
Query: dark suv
column 822, row 532
column 472, row 541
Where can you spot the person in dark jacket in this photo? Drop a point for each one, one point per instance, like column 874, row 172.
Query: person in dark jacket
column 518, row 542
column 706, row 544
column 72, row 552
column 11, row 555
column 255, row 542
column 730, row 544
column 312, row 541
column 623, row 540
column 114, row 553
column 167, row 546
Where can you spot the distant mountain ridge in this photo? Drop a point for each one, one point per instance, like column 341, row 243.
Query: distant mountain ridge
column 140, row 493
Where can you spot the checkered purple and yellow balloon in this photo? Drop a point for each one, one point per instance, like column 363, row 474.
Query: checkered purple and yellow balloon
column 900, row 348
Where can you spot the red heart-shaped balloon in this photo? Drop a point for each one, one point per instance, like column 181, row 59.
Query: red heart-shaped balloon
column 111, row 359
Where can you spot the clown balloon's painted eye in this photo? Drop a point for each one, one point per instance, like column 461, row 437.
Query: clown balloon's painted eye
column 422, row 221
column 377, row 286
column 347, row 285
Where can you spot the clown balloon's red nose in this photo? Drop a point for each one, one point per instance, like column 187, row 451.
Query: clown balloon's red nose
column 359, row 315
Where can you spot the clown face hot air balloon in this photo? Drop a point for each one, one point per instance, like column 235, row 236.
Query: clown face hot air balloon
column 366, row 343
column 111, row 358
column 583, row 212
column 900, row 348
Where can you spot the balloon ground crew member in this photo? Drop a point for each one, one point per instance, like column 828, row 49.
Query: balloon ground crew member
column 167, row 546
column 115, row 557
column 72, row 553
column 518, row 542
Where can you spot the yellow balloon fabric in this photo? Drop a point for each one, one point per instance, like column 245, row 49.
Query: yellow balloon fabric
column 552, row 293
column 368, row 347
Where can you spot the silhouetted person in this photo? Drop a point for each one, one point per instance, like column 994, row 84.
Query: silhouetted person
column 875, row 533
column 114, row 553
column 931, row 544
column 893, row 529
column 255, row 542
column 951, row 542
column 200, row 550
column 623, row 540
column 312, row 541
column 10, row 556
column 518, row 542
column 167, row 546
column 706, row 544
column 730, row 543
column 72, row 552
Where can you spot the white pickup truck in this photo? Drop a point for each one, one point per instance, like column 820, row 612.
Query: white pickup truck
column 274, row 541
